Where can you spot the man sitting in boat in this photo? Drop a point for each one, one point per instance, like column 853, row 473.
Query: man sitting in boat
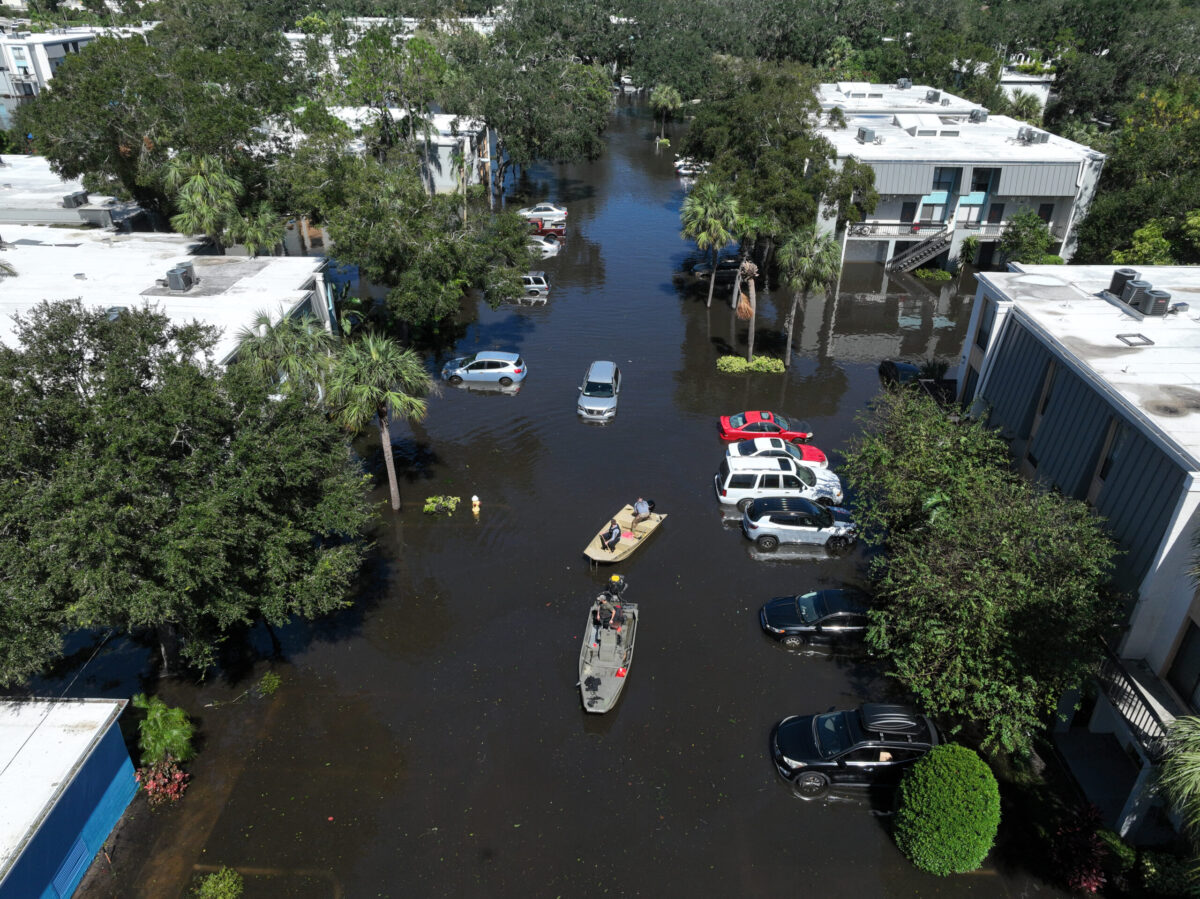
column 641, row 511
column 611, row 536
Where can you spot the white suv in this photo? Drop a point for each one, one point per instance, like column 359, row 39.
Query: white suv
column 741, row 480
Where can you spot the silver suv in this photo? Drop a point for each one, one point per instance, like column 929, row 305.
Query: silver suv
column 774, row 520
column 742, row 479
column 536, row 286
column 599, row 392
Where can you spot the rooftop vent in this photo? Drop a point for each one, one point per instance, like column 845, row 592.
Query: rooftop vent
column 979, row 115
column 866, row 135
column 903, row 83
column 1133, row 292
column 945, row 101
column 180, row 278
column 932, row 96
column 1120, row 278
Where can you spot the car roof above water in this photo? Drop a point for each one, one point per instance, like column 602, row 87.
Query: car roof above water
column 496, row 356
column 601, row 371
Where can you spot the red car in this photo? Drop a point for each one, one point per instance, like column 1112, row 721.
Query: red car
column 747, row 425
column 546, row 227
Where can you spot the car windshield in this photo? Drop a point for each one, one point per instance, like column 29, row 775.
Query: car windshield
column 465, row 360
column 736, row 421
column 807, row 608
column 832, row 733
column 597, row 388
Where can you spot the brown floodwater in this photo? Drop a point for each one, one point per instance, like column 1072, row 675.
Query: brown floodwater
column 431, row 742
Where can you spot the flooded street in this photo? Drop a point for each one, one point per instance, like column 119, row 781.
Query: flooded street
column 431, row 742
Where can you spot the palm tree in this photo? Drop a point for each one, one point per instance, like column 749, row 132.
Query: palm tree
column 205, row 194
column 1025, row 106
column 1179, row 772
column 664, row 100
column 372, row 378
column 261, row 230
column 748, row 272
column 710, row 217
column 807, row 259
column 295, row 352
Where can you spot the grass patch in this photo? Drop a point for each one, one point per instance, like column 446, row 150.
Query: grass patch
column 736, row 365
column 933, row 274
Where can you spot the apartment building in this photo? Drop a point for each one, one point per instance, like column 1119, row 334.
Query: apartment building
column 947, row 170
column 1092, row 374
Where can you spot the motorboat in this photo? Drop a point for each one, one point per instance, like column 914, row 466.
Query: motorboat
column 632, row 536
column 607, row 651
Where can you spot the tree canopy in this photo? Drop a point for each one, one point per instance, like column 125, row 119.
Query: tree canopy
column 146, row 490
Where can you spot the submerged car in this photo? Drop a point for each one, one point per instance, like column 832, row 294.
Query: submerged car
column 803, row 453
column 727, row 267
column 818, row 616
column 486, row 367
column 746, row 425
column 599, row 392
column 543, row 211
column 544, row 246
column 774, row 520
column 740, row 480
column 868, row 746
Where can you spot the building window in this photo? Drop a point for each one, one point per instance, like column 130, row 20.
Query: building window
column 908, row 212
column 987, row 316
column 995, row 213
column 1046, row 212
column 981, row 180
column 1116, row 439
column 1184, row 674
column 971, row 383
column 1030, row 461
column 946, row 179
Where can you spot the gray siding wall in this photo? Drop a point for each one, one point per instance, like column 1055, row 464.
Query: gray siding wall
column 1047, row 179
column 1071, row 435
column 1015, row 383
column 1144, row 484
column 903, row 177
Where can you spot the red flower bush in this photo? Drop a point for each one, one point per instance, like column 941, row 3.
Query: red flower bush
column 164, row 781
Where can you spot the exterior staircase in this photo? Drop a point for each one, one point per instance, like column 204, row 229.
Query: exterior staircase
column 909, row 259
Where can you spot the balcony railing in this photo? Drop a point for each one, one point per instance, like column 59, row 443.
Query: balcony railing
column 912, row 230
column 1138, row 710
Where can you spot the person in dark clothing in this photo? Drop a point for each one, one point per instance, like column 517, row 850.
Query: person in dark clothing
column 611, row 536
column 603, row 617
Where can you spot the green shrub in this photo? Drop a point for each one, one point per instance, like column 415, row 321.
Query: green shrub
column 269, row 684
column 1164, row 874
column 436, row 504
column 224, row 884
column 165, row 731
column 933, row 274
column 736, row 365
column 1051, row 259
column 948, row 811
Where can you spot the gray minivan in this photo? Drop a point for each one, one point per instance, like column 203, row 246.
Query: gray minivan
column 599, row 392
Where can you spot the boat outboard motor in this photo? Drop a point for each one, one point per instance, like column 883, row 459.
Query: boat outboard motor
column 615, row 586
column 650, row 503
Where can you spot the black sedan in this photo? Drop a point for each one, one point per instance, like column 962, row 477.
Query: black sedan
column 819, row 616
column 872, row 745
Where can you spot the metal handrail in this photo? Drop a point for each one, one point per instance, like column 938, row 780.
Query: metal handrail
column 1127, row 697
column 896, row 229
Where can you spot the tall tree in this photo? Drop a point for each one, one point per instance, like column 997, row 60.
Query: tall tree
column 295, row 353
column 374, row 378
column 807, row 259
column 205, row 194
column 146, row 490
column 664, row 100
column 710, row 218
column 1179, row 773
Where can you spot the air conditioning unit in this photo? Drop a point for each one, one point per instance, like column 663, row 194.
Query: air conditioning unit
column 945, row 101
column 932, row 96
column 1134, row 291
column 1120, row 278
column 75, row 200
column 1023, row 133
column 1155, row 302
column 903, row 83
column 179, row 278
column 1038, row 137
column 866, row 135
column 189, row 268
column 979, row 115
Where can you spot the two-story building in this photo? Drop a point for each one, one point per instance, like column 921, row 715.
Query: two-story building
column 946, row 170
column 1092, row 374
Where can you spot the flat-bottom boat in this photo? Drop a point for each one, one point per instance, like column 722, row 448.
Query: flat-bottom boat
column 606, row 654
column 632, row 536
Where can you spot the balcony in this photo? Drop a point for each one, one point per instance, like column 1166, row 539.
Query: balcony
column 1141, row 700
column 909, row 230
column 984, row 230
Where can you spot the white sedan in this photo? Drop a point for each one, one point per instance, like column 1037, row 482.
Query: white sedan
column 543, row 211
column 545, row 246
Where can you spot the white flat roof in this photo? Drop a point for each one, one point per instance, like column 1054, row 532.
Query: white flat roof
column 105, row 269
column 42, row 745
column 1160, row 382
column 860, row 96
column 992, row 141
column 27, row 182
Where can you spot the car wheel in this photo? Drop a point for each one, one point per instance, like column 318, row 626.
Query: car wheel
column 837, row 544
column 811, row 785
column 767, row 543
column 793, row 641
column 505, row 381
column 744, row 504
column 825, row 501
column 455, row 379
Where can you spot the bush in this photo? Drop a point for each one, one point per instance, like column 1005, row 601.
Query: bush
column 1119, row 861
column 736, row 365
column 1164, row 874
column 1080, row 854
column 436, row 504
column 165, row 732
column 933, row 274
column 948, row 811
column 164, row 781
column 224, row 884
column 1051, row 259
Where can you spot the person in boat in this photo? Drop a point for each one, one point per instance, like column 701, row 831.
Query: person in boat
column 641, row 511
column 611, row 536
column 603, row 616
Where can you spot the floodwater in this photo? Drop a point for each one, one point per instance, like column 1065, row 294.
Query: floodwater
column 431, row 742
